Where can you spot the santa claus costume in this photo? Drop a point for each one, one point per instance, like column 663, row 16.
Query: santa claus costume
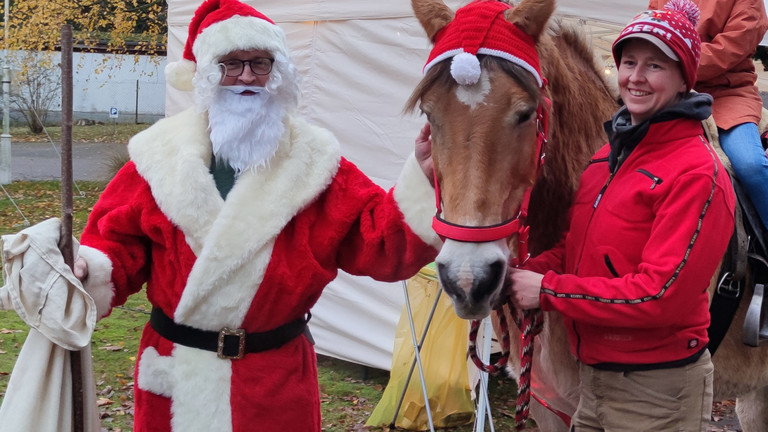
column 232, row 280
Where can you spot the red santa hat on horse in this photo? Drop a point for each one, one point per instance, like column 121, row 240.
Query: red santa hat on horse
column 481, row 28
column 245, row 122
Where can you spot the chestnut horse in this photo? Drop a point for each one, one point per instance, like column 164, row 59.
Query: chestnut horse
column 484, row 149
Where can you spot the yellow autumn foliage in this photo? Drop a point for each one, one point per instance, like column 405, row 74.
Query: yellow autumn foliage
column 35, row 25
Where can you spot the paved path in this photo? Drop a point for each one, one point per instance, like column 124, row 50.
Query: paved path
column 41, row 161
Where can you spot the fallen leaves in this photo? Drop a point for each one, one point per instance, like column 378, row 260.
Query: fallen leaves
column 110, row 347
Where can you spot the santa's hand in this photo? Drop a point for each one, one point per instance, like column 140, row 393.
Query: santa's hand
column 525, row 288
column 423, row 152
column 80, row 269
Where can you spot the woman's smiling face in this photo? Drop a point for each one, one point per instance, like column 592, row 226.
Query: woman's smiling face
column 648, row 80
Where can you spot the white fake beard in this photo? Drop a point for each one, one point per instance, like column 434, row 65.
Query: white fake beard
column 245, row 130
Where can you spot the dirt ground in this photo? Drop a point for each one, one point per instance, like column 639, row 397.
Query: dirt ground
column 724, row 418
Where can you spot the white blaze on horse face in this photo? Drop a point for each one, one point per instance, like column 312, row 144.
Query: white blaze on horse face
column 473, row 95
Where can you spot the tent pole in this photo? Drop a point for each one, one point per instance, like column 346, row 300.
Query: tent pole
column 417, row 357
column 483, row 405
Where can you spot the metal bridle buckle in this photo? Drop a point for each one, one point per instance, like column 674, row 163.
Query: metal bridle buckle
column 223, row 333
column 726, row 288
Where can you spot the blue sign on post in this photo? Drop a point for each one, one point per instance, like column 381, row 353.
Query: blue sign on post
column 113, row 112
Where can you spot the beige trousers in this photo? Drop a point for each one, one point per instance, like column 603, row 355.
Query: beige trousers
column 661, row 400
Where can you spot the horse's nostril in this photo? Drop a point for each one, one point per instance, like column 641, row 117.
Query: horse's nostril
column 449, row 284
column 491, row 281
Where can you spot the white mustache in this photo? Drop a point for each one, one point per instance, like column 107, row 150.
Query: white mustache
column 241, row 89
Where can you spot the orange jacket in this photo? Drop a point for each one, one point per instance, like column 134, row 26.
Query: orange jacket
column 730, row 32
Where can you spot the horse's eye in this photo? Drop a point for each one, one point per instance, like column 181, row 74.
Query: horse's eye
column 525, row 116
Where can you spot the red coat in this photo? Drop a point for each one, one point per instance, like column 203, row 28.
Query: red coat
column 630, row 277
column 730, row 31
column 256, row 261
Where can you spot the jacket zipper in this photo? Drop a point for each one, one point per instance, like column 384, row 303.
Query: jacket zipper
column 594, row 207
column 610, row 266
column 656, row 180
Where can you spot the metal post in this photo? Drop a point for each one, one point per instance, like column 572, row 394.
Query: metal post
column 65, row 243
column 417, row 357
column 136, row 109
column 5, row 139
column 417, row 350
column 483, row 404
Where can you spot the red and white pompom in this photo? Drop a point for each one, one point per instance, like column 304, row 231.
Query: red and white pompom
column 686, row 7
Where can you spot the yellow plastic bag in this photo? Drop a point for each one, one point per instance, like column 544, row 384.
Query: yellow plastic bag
column 443, row 357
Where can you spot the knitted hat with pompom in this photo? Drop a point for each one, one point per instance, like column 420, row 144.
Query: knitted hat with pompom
column 672, row 30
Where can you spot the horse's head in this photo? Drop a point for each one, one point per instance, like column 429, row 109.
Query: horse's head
column 481, row 94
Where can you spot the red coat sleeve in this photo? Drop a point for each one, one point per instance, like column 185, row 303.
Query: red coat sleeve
column 115, row 227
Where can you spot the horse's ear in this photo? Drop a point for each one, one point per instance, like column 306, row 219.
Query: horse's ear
column 531, row 16
column 432, row 14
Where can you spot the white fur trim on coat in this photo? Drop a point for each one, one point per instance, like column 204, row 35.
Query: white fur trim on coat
column 415, row 196
column 260, row 203
column 197, row 405
column 99, row 281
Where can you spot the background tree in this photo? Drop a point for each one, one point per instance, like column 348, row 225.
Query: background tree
column 113, row 25
column 36, row 87
column 107, row 26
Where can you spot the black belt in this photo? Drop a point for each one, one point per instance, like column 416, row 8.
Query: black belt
column 227, row 343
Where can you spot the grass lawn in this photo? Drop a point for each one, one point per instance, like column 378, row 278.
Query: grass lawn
column 349, row 392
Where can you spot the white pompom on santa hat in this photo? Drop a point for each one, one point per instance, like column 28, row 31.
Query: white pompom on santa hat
column 220, row 27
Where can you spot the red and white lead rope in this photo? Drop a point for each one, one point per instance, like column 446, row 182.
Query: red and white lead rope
column 530, row 324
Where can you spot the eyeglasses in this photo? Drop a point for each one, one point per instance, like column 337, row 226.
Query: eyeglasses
column 259, row 66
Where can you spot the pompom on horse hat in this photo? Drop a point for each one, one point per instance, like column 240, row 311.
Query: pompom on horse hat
column 480, row 28
column 218, row 28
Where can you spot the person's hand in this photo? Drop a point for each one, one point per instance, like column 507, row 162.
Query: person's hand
column 423, row 152
column 80, row 269
column 525, row 288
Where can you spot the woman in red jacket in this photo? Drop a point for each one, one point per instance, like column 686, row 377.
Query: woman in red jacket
column 650, row 221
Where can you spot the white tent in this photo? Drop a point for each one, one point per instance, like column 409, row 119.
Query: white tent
column 359, row 61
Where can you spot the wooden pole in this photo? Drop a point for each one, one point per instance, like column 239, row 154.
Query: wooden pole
column 65, row 243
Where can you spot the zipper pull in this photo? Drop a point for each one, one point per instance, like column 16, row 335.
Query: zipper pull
column 599, row 196
column 656, row 180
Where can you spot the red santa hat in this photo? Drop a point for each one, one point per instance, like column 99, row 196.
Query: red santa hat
column 218, row 28
column 672, row 30
column 481, row 28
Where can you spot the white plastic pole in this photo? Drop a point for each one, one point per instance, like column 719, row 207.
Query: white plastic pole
column 483, row 404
